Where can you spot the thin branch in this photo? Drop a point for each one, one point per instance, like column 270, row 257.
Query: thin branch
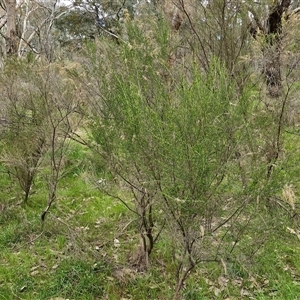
column 29, row 242
column 232, row 215
column 182, row 7
column 123, row 202
column 160, row 231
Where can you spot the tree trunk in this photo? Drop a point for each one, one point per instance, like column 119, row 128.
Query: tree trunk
column 272, row 49
column 11, row 37
column 272, row 69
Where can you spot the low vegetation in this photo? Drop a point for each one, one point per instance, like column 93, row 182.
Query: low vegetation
column 84, row 248
column 149, row 162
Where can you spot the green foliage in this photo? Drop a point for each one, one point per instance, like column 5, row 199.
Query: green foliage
column 75, row 27
column 192, row 143
column 183, row 171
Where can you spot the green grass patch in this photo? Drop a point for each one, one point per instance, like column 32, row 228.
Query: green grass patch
column 73, row 256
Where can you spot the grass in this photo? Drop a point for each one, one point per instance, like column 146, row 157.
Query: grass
column 74, row 257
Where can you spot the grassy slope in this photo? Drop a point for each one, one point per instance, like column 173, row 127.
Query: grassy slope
column 74, row 255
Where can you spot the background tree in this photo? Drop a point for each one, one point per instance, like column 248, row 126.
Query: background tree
column 88, row 20
column 272, row 47
column 11, row 34
column 27, row 26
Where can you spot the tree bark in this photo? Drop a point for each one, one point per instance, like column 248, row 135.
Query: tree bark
column 11, row 36
column 272, row 50
column 272, row 70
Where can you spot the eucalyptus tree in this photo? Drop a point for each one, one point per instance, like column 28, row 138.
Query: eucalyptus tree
column 88, row 20
column 11, row 42
column 27, row 26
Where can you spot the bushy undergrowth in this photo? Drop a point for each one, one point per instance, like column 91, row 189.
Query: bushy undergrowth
column 178, row 183
column 201, row 160
column 76, row 255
